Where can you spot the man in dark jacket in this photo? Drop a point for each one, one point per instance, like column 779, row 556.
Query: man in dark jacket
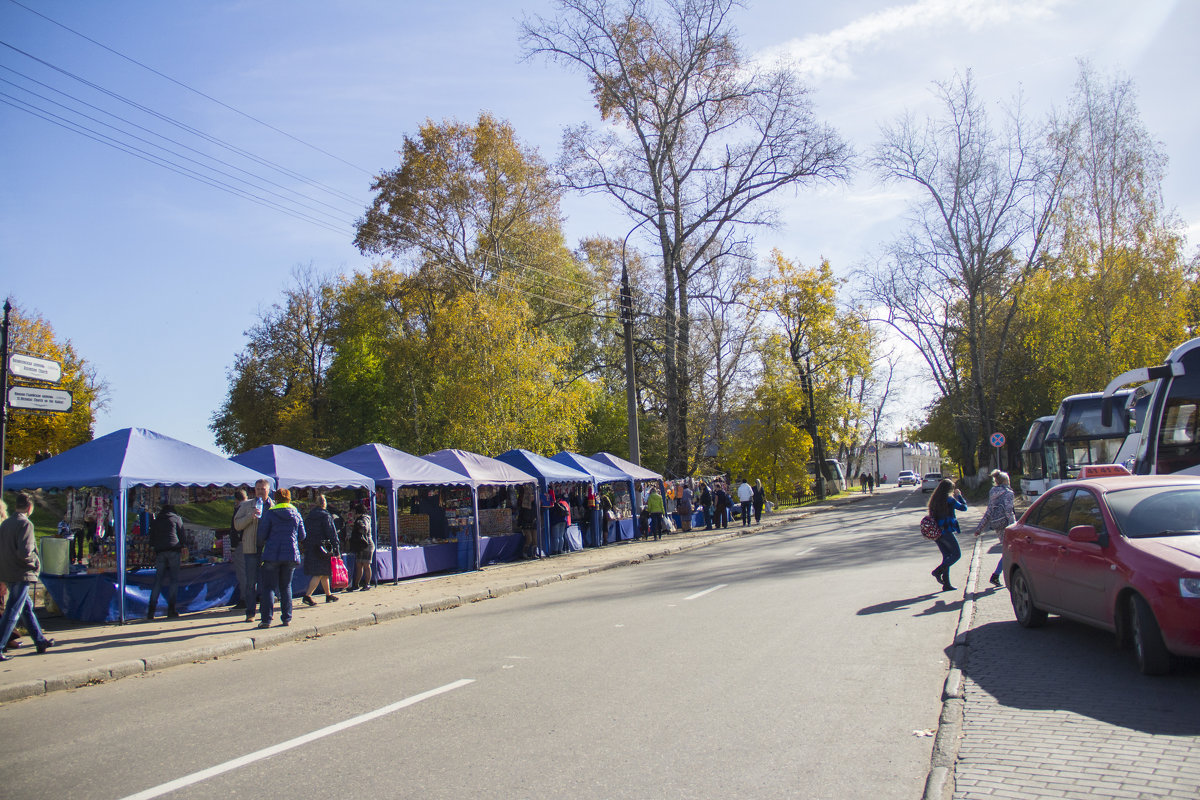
column 19, row 568
column 166, row 539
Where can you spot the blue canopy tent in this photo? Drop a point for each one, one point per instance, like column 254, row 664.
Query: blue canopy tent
column 392, row 469
column 600, row 472
column 482, row 471
column 119, row 461
column 546, row 471
column 292, row 469
column 638, row 473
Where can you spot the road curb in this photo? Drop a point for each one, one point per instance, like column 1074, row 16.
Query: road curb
column 280, row 635
column 939, row 783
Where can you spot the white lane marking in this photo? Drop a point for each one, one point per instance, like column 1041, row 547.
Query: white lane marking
column 205, row 774
column 706, row 591
column 805, row 552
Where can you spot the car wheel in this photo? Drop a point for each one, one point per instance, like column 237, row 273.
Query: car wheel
column 1148, row 646
column 1028, row 615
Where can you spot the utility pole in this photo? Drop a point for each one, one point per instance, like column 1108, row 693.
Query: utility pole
column 4, row 389
column 635, row 447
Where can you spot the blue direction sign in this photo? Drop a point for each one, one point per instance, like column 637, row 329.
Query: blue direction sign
column 997, row 440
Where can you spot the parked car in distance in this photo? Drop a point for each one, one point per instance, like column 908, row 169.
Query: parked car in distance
column 907, row 478
column 1119, row 553
column 930, row 481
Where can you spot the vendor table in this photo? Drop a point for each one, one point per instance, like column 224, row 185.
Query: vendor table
column 429, row 558
column 94, row 597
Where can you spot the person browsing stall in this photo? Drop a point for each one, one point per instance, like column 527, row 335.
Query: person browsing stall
column 246, row 520
column 280, row 532
column 166, row 539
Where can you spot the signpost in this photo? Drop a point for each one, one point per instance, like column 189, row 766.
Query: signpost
column 39, row 369
column 36, row 399
column 28, row 398
column 997, row 440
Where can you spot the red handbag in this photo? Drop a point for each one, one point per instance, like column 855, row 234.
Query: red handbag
column 339, row 575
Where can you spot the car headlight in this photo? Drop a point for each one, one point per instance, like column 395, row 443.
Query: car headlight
column 1189, row 587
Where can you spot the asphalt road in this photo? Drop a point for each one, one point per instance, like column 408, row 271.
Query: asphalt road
column 807, row 661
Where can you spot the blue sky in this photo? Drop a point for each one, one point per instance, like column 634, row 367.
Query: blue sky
column 155, row 276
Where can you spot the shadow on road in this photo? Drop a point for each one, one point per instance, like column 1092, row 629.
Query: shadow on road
column 1071, row 667
column 939, row 605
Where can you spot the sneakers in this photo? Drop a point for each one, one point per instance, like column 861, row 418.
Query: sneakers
column 308, row 601
column 263, row 624
column 44, row 645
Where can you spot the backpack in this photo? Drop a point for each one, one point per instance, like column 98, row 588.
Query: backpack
column 930, row 529
column 360, row 534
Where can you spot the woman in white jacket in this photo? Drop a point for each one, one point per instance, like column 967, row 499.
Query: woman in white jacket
column 999, row 514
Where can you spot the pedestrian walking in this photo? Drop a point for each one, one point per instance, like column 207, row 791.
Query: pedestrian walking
column 944, row 501
column 862, row 482
column 759, row 499
column 280, row 532
column 999, row 514
column 19, row 568
column 320, row 548
column 166, row 539
column 871, row 482
column 745, row 497
column 706, row 503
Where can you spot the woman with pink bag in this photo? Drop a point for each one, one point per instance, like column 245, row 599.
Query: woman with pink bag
column 320, row 548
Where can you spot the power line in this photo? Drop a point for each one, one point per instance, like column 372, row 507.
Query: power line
column 200, row 164
column 191, row 89
column 21, row 105
column 184, row 126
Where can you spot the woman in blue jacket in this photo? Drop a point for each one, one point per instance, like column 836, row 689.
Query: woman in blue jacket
column 280, row 532
column 942, row 505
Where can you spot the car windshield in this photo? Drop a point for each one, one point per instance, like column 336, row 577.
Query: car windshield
column 1156, row 511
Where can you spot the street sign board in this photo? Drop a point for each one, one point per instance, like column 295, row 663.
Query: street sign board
column 41, row 369
column 35, row 399
column 997, row 440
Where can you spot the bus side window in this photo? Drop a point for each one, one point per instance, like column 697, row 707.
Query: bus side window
column 1177, row 441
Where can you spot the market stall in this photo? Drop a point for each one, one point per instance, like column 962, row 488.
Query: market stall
column 569, row 483
column 640, row 476
column 605, row 475
column 415, row 547
column 295, row 470
column 484, row 538
column 153, row 465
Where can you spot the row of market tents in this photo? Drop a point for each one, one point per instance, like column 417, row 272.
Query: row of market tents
column 134, row 457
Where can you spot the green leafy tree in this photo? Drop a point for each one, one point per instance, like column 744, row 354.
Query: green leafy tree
column 770, row 443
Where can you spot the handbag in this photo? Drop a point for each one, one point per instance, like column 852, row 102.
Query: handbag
column 339, row 576
column 930, row 529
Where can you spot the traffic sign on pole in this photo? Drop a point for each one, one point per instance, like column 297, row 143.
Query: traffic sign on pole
column 39, row 369
column 997, row 440
column 35, row 399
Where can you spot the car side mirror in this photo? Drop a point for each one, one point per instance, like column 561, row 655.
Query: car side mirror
column 1086, row 533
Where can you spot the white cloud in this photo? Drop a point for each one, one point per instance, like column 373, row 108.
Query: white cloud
column 829, row 55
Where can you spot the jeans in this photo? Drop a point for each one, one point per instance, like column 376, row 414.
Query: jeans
column 950, row 551
column 238, row 559
column 276, row 578
column 20, row 607
column 250, row 595
column 656, row 524
column 166, row 565
column 707, row 518
column 558, row 537
column 745, row 513
column 723, row 518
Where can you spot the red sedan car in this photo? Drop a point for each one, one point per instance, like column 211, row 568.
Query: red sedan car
column 1121, row 554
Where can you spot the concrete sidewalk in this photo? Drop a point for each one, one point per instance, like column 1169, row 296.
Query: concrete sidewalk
column 86, row 653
